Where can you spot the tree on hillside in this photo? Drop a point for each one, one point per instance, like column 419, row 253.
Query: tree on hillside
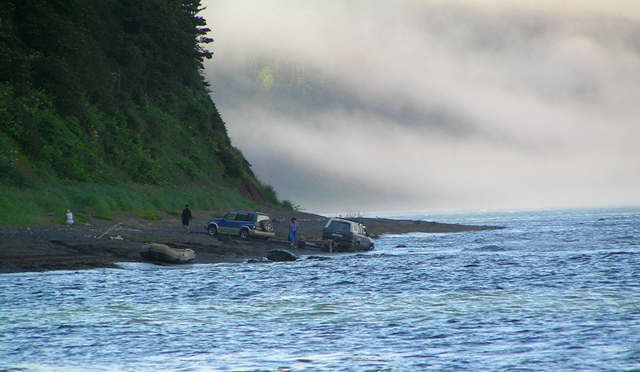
column 111, row 91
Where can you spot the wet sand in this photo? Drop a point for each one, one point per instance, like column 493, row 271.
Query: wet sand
column 101, row 243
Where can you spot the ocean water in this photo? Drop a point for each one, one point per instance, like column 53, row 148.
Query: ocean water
column 553, row 291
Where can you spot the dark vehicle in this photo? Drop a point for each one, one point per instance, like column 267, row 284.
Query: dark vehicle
column 243, row 224
column 342, row 235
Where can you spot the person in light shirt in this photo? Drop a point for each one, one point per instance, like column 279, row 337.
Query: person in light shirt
column 69, row 217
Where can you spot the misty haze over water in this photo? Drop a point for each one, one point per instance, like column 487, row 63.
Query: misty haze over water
column 425, row 105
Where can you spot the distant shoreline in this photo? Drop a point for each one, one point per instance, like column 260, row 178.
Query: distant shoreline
column 102, row 244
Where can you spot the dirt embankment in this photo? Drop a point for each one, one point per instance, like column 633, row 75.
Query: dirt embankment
column 103, row 243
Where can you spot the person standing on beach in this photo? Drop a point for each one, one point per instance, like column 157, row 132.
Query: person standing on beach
column 186, row 217
column 293, row 232
column 69, row 217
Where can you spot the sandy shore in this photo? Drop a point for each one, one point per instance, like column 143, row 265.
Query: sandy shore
column 103, row 243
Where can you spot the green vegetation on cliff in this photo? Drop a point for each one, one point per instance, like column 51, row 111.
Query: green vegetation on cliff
column 111, row 92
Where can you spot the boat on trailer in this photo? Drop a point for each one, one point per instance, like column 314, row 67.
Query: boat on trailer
column 164, row 253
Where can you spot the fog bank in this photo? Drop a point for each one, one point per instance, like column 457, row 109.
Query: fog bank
column 423, row 105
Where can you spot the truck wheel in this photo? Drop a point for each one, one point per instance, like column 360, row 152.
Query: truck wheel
column 332, row 246
column 212, row 230
column 266, row 225
column 244, row 233
column 356, row 247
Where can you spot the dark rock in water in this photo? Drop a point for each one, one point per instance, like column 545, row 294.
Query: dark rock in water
column 281, row 255
column 257, row 260
column 401, row 246
column 319, row 258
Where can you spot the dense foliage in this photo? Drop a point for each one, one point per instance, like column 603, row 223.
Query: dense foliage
column 110, row 91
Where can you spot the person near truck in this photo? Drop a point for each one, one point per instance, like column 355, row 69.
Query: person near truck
column 293, row 232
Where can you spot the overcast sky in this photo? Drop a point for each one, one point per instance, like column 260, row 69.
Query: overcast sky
column 433, row 105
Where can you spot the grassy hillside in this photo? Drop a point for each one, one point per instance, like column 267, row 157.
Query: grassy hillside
column 100, row 95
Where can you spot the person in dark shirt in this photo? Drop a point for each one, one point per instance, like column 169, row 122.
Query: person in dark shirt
column 186, row 217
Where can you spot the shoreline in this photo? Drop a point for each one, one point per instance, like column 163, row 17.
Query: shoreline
column 102, row 244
